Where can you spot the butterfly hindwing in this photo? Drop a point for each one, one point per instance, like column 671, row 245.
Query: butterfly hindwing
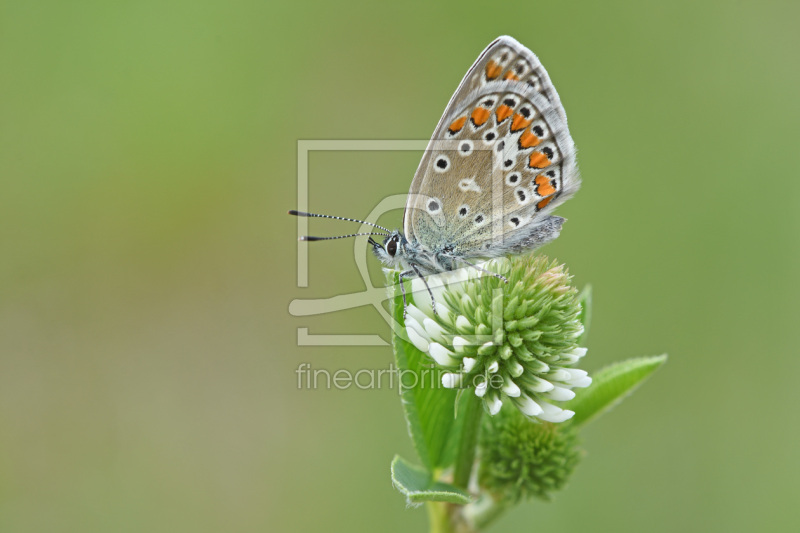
column 500, row 159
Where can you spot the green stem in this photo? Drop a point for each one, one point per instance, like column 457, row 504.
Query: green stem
column 439, row 517
column 446, row 517
column 465, row 457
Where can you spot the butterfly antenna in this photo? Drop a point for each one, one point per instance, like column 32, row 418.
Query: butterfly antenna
column 311, row 239
column 302, row 214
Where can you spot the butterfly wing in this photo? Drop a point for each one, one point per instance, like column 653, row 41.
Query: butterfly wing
column 500, row 159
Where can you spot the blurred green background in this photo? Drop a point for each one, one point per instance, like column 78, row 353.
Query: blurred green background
column 148, row 155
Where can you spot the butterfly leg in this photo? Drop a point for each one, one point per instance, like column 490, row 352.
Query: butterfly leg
column 433, row 300
column 476, row 267
column 403, row 290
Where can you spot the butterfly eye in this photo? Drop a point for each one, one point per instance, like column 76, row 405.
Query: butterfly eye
column 391, row 248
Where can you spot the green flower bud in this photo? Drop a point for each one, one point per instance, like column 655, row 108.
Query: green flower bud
column 521, row 460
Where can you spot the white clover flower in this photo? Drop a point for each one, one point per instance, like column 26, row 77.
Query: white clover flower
column 514, row 342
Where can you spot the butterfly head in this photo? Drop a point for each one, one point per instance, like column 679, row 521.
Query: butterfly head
column 393, row 249
column 392, row 252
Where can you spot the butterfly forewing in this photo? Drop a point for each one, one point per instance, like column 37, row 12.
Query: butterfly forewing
column 500, row 159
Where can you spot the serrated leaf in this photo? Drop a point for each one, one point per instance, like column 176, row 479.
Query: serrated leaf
column 585, row 299
column 428, row 407
column 418, row 486
column 610, row 386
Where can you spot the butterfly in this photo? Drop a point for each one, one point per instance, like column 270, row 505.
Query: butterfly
column 500, row 160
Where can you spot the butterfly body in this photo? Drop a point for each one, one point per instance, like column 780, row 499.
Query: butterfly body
column 398, row 252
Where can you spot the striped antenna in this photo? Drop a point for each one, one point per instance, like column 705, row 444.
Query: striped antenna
column 302, row 214
column 311, row 239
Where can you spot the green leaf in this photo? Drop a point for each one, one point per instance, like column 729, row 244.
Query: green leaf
column 585, row 299
column 418, row 486
column 471, row 411
column 428, row 407
column 610, row 386
column 454, row 440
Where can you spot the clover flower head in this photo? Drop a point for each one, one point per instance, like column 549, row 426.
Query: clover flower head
column 508, row 342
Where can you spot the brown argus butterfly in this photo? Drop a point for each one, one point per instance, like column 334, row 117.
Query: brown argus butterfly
column 500, row 160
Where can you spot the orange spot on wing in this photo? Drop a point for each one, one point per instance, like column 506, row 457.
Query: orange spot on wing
column 457, row 124
column 493, row 70
column 519, row 122
column 543, row 203
column 503, row 112
column 543, row 185
column 528, row 139
column 480, row 115
column 539, row 160
column 510, row 76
